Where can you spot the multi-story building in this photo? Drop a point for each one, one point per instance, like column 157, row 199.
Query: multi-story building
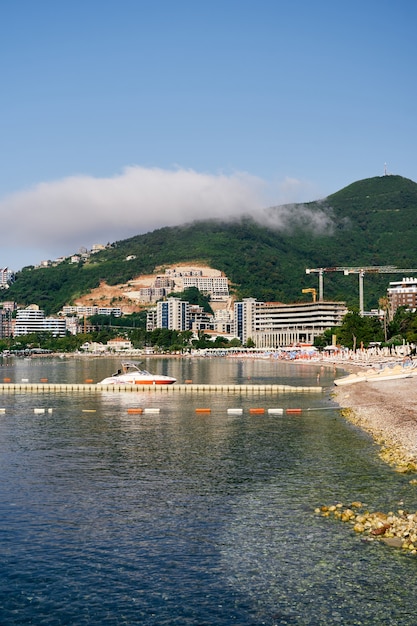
column 173, row 313
column 188, row 317
column 402, row 293
column 88, row 311
column 151, row 319
column 6, row 318
column 5, row 323
column 55, row 325
column 29, row 320
column 33, row 320
column 273, row 324
column 200, row 319
column 6, row 277
column 215, row 286
column 152, row 294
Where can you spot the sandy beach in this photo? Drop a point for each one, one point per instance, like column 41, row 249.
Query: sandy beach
column 386, row 409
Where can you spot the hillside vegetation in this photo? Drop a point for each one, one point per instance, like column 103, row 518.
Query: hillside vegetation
column 370, row 222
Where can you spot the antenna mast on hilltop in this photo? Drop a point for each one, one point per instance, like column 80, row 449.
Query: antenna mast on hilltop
column 385, row 170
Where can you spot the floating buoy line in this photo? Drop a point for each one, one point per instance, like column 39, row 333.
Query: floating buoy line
column 89, row 387
column 207, row 410
column 44, row 386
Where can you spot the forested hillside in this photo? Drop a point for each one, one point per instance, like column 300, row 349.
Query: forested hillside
column 370, row 222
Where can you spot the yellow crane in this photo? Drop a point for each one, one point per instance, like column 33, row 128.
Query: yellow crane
column 312, row 291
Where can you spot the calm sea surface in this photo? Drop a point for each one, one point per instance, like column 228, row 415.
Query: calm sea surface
column 187, row 518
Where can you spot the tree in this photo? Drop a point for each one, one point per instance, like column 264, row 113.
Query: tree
column 401, row 322
column 384, row 304
column 358, row 330
column 194, row 296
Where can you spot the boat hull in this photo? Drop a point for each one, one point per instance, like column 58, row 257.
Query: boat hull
column 137, row 381
column 130, row 374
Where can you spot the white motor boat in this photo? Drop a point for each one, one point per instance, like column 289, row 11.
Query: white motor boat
column 131, row 374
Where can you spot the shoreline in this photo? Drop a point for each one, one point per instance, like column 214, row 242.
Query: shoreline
column 387, row 410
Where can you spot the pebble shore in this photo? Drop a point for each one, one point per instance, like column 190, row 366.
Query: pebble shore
column 397, row 529
column 387, row 410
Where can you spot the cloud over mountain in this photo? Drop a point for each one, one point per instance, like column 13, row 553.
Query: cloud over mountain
column 58, row 217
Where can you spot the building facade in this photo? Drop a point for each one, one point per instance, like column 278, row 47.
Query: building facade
column 173, row 314
column 88, row 311
column 33, row 320
column 6, row 277
column 215, row 286
column 273, row 324
column 402, row 293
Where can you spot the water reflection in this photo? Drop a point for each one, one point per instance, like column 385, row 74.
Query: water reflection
column 179, row 517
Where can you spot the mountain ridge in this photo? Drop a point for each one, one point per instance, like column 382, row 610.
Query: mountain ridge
column 370, row 222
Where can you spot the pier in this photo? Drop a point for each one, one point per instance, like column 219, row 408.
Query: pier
column 46, row 387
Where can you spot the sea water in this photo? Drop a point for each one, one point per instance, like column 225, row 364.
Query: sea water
column 188, row 518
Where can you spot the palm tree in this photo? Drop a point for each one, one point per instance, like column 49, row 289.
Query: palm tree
column 384, row 304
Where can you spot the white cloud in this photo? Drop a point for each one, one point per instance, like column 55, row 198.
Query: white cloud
column 57, row 218
column 78, row 210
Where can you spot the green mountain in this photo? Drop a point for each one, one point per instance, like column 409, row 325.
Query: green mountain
column 371, row 222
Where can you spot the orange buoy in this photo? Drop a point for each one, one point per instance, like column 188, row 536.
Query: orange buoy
column 7, row 380
column 137, row 410
column 188, row 382
column 203, row 410
column 256, row 410
column 88, row 380
column 293, row 410
column 44, row 380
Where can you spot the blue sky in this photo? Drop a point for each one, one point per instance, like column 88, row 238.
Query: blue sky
column 121, row 116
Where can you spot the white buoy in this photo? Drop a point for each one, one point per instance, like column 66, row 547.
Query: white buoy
column 235, row 411
column 151, row 410
column 276, row 411
column 39, row 411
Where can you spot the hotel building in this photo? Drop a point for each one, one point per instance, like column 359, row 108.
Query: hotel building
column 33, row 320
column 273, row 324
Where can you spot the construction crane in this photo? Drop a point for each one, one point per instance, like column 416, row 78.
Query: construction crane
column 361, row 271
column 312, row 291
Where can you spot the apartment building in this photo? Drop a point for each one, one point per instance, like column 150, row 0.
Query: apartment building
column 88, row 311
column 174, row 314
column 6, row 277
column 273, row 324
column 402, row 293
column 215, row 286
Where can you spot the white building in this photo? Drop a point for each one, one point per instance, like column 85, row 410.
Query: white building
column 88, row 311
column 119, row 344
column 173, row 314
column 6, row 277
column 151, row 319
column 33, row 320
column 215, row 286
column 29, row 320
column 273, row 324
column 55, row 325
